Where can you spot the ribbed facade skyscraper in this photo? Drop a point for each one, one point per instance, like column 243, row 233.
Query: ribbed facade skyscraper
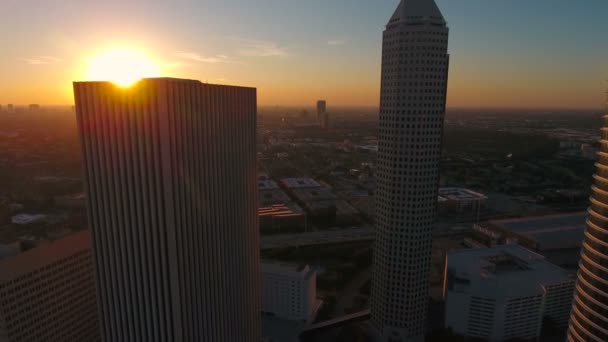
column 589, row 316
column 412, row 108
column 170, row 170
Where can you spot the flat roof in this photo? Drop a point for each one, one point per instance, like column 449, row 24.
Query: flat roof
column 559, row 231
column 286, row 269
column 343, row 208
column 506, row 270
column 28, row 218
column 159, row 79
column 281, row 210
column 44, row 254
column 12, row 232
column 460, row 194
column 267, row 184
column 270, row 197
column 80, row 195
column 372, row 148
column 313, row 194
column 301, row 182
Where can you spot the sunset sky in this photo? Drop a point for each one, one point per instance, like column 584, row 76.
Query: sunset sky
column 515, row 53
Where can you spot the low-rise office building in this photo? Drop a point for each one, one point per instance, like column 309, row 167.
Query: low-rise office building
column 557, row 237
column 276, row 210
column 289, row 292
column 299, row 182
column 321, row 203
column 461, row 200
column 504, row 293
column 278, row 217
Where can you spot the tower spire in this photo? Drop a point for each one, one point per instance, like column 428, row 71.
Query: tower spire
column 417, row 10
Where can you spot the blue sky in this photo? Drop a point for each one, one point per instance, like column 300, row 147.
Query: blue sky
column 505, row 53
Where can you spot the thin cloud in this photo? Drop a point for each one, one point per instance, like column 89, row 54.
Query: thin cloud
column 193, row 56
column 260, row 48
column 40, row 60
column 174, row 65
column 336, row 42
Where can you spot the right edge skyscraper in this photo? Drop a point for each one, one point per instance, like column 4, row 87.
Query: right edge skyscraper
column 589, row 316
column 412, row 108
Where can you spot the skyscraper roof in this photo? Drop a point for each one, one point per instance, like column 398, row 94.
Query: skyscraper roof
column 417, row 10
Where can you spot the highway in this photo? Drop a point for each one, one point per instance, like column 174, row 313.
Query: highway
column 355, row 234
column 317, row 238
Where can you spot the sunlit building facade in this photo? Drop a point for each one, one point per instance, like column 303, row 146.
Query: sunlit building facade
column 589, row 316
column 170, row 168
column 412, row 108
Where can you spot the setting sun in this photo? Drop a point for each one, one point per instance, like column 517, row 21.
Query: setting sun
column 122, row 67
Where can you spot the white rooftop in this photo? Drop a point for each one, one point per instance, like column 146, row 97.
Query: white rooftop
column 510, row 270
column 267, row 184
column 301, row 182
column 284, row 269
column 417, row 10
column 460, row 194
column 27, row 218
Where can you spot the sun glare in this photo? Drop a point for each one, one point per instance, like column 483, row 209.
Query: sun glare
column 122, row 67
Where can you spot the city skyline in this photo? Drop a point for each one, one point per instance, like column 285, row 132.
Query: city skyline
column 246, row 171
column 515, row 55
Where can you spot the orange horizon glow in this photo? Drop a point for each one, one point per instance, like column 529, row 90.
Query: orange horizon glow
column 289, row 87
column 294, row 55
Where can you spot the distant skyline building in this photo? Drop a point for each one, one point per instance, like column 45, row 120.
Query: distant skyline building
column 504, row 293
column 47, row 293
column 9, row 107
column 412, row 108
column 321, row 110
column 170, row 169
column 589, row 317
column 34, row 107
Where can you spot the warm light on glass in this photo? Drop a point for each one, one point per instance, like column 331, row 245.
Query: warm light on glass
column 122, row 67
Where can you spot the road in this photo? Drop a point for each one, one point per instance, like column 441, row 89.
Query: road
column 362, row 233
column 317, row 238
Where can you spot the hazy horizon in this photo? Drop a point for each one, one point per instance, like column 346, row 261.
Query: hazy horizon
column 513, row 54
column 312, row 107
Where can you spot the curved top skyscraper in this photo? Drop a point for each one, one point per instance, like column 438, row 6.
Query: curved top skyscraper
column 589, row 317
column 412, row 108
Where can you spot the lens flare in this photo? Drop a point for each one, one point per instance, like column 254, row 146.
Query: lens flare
column 122, row 67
